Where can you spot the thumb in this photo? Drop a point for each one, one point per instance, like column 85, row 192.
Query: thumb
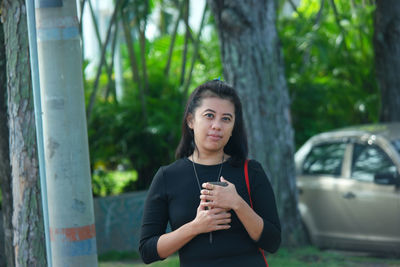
column 224, row 180
column 201, row 207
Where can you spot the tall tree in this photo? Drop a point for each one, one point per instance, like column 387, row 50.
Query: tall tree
column 27, row 219
column 6, row 256
column 253, row 64
column 387, row 57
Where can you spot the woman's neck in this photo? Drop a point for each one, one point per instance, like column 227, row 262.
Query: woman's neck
column 208, row 159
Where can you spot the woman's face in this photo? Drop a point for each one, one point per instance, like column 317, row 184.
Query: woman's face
column 212, row 124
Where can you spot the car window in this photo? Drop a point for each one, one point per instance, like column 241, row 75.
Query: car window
column 369, row 160
column 396, row 144
column 325, row 159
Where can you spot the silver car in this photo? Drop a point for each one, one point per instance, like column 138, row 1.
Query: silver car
column 349, row 188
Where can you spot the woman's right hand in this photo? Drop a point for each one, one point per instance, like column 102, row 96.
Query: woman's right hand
column 208, row 220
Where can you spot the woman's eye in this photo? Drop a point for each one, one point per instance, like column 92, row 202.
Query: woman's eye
column 226, row 119
column 209, row 115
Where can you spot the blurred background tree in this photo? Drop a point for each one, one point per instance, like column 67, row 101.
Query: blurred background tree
column 24, row 241
column 6, row 252
column 387, row 57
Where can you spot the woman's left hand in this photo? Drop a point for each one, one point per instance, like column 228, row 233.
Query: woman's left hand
column 225, row 197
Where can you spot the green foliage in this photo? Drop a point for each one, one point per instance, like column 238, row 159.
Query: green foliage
column 107, row 183
column 120, row 134
column 329, row 66
column 140, row 9
column 209, row 63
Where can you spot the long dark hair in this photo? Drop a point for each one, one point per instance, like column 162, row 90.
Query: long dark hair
column 237, row 144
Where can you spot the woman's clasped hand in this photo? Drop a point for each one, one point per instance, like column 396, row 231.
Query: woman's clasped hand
column 208, row 220
column 213, row 212
column 224, row 197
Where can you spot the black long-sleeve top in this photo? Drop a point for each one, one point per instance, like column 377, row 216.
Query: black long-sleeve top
column 174, row 196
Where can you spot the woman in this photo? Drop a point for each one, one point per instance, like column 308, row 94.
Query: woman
column 211, row 225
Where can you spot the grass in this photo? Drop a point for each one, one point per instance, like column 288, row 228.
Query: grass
column 305, row 256
column 118, row 256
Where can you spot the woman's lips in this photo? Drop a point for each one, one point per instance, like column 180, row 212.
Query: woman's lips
column 214, row 137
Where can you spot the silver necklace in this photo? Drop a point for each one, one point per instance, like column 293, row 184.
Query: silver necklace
column 198, row 181
column 197, row 177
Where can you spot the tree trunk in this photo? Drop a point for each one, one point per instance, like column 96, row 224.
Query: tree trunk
column 111, row 81
column 194, row 56
column 387, row 57
column 186, row 43
column 113, row 21
column 173, row 37
column 133, row 63
column 7, row 254
column 27, row 218
column 253, row 65
column 142, row 43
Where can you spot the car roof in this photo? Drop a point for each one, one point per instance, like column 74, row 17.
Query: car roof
column 389, row 131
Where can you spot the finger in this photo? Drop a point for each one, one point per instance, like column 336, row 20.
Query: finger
column 206, row 192
column 222, row 227
column 220, row 210
column 223, row 216
column 220, row 219
column 207, row 197
column 201, row 206
column 206, row 205
column 218, row 214
column 224, row 221
column 224, row 180
column 208, row 186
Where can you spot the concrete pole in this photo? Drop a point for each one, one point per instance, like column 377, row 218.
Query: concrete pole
column 70, row 201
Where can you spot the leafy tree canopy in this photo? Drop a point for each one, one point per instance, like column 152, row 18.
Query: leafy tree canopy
column 329, row 65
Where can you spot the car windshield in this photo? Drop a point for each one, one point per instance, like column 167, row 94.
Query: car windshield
column 396, row 144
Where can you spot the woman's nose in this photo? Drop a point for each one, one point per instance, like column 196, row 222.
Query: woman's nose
column 216, row 125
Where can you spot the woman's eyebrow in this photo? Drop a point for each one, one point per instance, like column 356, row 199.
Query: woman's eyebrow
column 209, row 110
column 213, row 111
column 228, row 114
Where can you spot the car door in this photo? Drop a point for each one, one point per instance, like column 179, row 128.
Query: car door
column 373, row 208
column 321, row 176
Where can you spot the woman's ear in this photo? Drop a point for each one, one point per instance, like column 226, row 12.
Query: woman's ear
column 189, row 121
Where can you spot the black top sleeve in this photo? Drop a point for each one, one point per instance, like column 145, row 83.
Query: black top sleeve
column 155, row 219
column 264, row 205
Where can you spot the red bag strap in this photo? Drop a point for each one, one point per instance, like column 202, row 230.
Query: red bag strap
column 246, row 175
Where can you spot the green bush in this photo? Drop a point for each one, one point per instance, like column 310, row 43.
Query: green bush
column 111, row 182
column 121, row 134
